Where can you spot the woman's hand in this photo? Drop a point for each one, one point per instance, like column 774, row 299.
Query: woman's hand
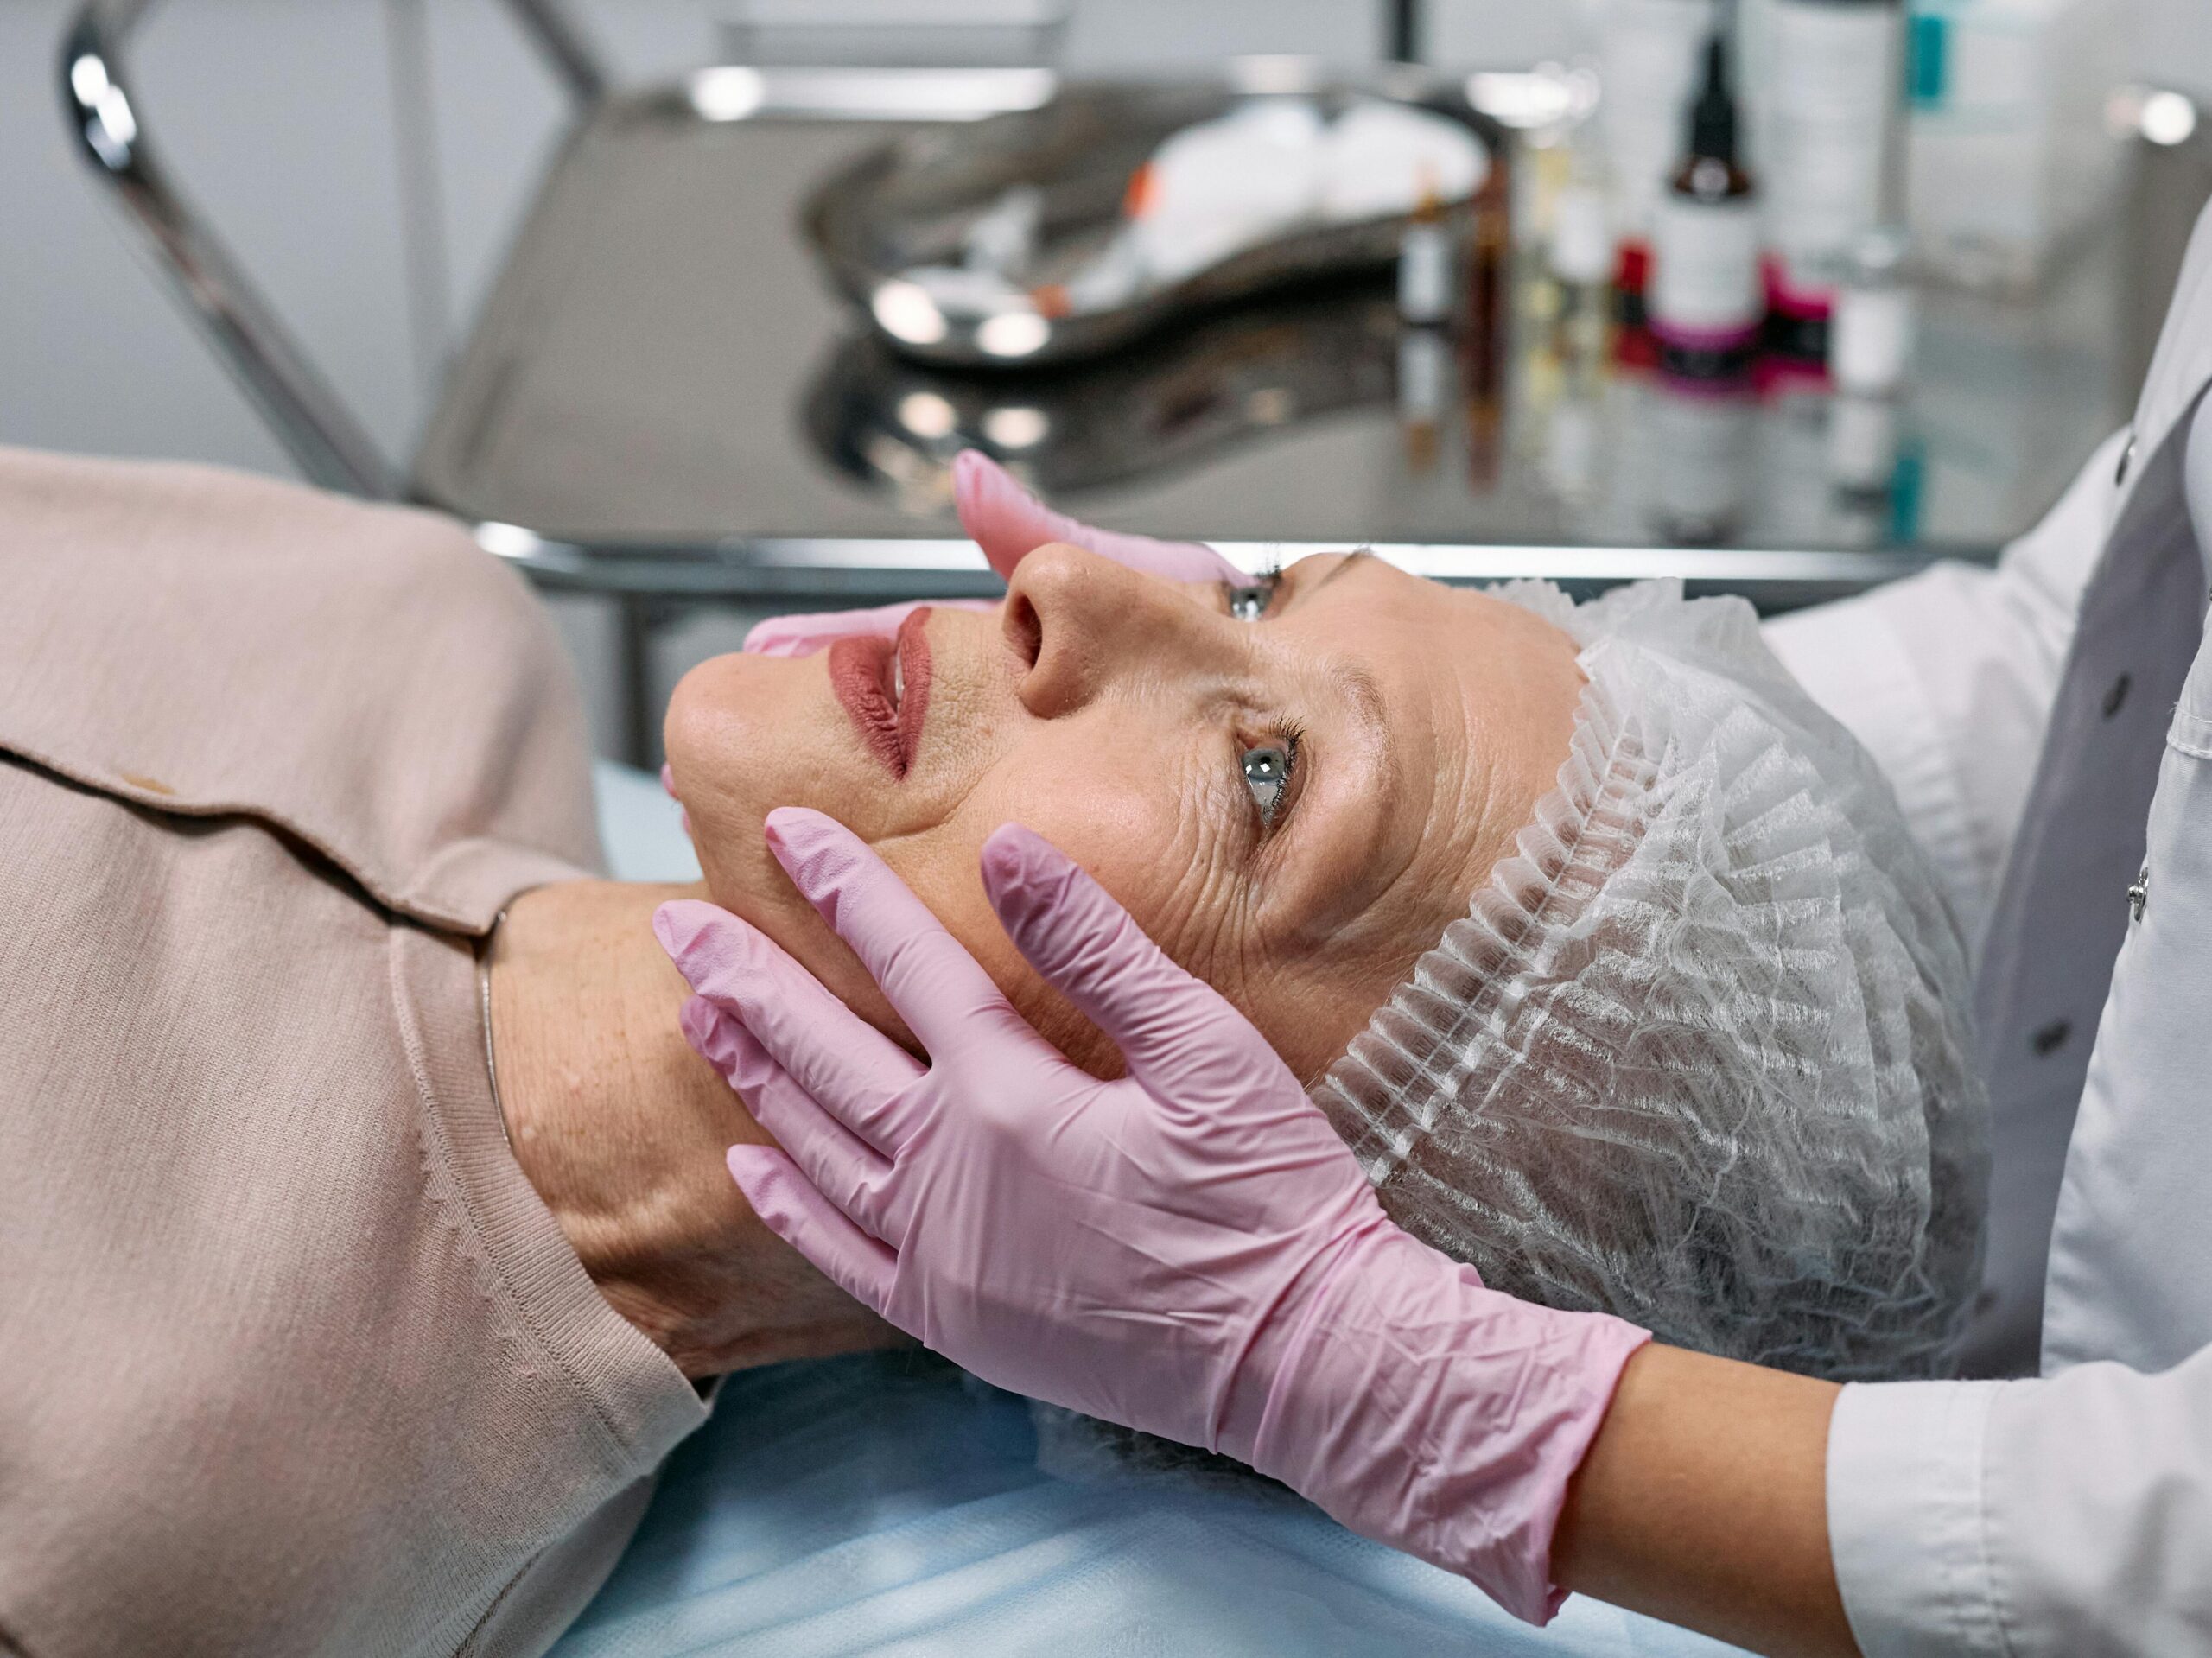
column 1189, row 1249
column 1008, row 523
column 618, row 1130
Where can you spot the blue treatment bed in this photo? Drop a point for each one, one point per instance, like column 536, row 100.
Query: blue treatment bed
column 887, row 1503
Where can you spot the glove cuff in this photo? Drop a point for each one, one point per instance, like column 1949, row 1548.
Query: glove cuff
column 1424, row 1411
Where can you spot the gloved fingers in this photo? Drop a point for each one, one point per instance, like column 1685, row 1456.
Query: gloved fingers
column 862, row 1266
column 836, row 1055
column 804, row 634
column 1008, row 523
column 835, row 1161
column 926, row 974
column 1172, row 1029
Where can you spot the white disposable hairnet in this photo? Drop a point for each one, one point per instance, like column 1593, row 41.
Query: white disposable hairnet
column 1697, row 1055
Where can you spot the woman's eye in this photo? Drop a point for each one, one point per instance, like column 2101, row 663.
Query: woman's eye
column 1249, row 604
column 1266, row 774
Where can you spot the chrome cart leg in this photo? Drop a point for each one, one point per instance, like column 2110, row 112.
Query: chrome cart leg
column 640, row 721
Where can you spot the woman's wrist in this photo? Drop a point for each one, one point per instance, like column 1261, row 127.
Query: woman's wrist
column 1703, row 1501
column 620, row 1129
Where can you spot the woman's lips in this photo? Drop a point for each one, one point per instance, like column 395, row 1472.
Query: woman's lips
column 884, row 685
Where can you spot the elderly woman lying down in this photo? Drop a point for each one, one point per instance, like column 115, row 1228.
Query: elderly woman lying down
column 368, row 1229
column 1606, row 950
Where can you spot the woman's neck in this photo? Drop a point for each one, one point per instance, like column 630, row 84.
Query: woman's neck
column 621, row 1128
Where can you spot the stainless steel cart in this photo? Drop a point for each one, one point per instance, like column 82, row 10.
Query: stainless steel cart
column 665, row 401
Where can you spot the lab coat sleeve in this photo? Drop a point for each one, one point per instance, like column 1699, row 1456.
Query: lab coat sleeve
column 2070, row 1516
column 1947, row 678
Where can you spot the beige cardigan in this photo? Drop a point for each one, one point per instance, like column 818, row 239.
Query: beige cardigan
column 292, row 1358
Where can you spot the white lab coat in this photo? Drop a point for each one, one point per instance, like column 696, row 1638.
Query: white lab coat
column 2048, row 728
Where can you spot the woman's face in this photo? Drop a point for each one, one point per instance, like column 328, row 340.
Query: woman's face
column 1293, row 807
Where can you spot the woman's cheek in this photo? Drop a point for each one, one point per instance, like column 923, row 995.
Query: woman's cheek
column 1119, row 818
column 1116, row 834
column 945, row 874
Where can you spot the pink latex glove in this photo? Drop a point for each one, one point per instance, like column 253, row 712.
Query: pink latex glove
column 1008, row 523
column 1189, row 1250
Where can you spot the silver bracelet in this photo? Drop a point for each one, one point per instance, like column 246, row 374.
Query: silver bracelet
column 483, row 994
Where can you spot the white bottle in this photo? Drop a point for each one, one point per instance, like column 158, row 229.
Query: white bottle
column 1870, row 344
column 1834, row 92
column 1647, row 54
column 1581, row 259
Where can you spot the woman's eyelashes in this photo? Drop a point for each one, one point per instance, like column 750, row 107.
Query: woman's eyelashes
column 1250, row 603
column 1270, row 768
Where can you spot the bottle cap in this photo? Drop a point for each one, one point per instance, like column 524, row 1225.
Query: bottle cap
column 1582, row 236
column 1870, row 339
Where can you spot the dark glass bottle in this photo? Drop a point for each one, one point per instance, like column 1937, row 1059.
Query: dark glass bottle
column 1707, row 300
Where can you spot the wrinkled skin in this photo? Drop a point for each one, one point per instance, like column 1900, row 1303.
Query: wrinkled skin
column 1111, row 711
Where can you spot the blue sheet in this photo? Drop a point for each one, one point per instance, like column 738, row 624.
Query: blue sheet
column 639, row 827
column 886, row 1504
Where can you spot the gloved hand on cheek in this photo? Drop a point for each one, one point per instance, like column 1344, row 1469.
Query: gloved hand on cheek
column 1189, row 1250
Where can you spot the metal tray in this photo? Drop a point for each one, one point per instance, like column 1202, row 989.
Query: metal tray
column 1235, row 376
column 909, row 201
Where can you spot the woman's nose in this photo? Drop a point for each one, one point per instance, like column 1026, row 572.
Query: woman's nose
column 1079, row 623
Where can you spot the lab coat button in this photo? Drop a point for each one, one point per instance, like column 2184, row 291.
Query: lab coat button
column 2053, row 1036
column 2126, row 455
column 2117, row 694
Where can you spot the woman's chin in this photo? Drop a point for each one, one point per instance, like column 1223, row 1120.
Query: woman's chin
column 746, row 734
column 749, row 883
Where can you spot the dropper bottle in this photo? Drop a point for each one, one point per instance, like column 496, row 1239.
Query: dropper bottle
column 1705, row 297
